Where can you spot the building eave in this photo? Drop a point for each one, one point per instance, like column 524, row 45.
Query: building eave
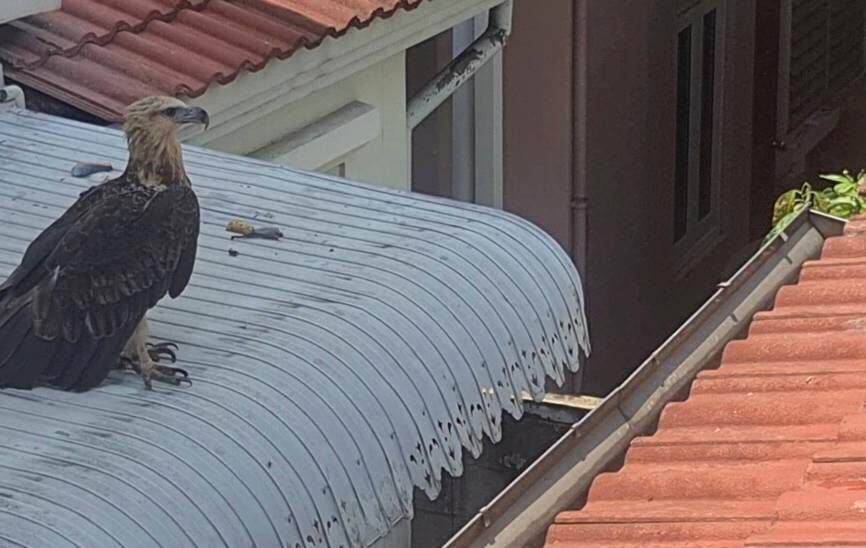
column 254, row 95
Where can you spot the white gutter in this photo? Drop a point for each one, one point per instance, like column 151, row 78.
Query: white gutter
column 12, row 94
column 462, row 67
column 521, row 514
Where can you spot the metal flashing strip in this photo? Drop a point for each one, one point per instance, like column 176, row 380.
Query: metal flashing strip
column 522, row 512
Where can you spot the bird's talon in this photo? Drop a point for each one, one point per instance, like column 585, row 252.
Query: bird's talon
column 169, row 375
column 164, row 344
column 173, row 371
column 177, row 381
column 162, row 350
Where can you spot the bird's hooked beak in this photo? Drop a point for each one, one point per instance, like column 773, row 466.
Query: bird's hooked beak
column 191, row 115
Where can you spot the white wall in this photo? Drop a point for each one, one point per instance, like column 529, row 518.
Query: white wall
column 383, row 160
column 15, row 9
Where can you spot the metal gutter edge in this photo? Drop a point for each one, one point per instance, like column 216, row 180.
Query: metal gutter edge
column 462, row 67
column 522, row 512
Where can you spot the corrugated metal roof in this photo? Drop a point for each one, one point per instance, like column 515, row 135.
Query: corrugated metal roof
column 770, row 448
column 333, row 370
column 100, row 55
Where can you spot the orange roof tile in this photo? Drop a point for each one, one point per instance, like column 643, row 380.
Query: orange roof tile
column 770, row 448
column 100, row 55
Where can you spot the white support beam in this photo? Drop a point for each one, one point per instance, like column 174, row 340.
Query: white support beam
column 489, row 163
column 462, row 67
column 463, row 123
column 474, row 81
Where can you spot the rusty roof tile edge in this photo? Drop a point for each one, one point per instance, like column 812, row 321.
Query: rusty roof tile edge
column 378, row 13
column 301, row 42
column 107, row 38
column 356, row 23
column 521, row 513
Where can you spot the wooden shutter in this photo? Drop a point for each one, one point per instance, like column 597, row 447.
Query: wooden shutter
column 847, row 19
column 809, row 45
column 821, row 54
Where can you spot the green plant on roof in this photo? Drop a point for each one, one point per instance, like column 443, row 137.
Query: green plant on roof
column 842, row 199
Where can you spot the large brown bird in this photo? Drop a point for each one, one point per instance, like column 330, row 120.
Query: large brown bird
column 75, row 307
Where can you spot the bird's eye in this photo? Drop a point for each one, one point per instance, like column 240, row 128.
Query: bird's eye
column 170, row 112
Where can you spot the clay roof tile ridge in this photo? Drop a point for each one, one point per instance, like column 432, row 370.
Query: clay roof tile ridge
column 132, row 24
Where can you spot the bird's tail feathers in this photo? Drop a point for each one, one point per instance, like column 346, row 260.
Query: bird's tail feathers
column 23, row 355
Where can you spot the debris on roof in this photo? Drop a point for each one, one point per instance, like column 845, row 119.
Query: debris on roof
column 770, row 448
column 100, row 55
column 86, row 169
column 243, row 229
column 335, row 371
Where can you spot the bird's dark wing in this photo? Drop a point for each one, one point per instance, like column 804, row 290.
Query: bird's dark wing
column 94, row 284
column 31, row 269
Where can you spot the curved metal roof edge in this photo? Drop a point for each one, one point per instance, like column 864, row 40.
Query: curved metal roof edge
column 358, row 356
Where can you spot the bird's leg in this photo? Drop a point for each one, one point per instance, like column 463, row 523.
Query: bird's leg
column 144, row 358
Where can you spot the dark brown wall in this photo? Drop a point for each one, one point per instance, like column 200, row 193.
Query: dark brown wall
column 431, row 140
column 538, row 121
column 845, row 148
column 589, row 119
column 628, row 93
column 636, row 298
column 766, row 76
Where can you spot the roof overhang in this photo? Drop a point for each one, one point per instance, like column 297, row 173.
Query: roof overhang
column 254, row 95
column 562, row 475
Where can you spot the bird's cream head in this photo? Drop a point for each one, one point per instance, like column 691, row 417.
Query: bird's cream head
column 151, row 126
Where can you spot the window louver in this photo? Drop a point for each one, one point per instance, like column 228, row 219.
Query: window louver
column 826, row 53
column 847, row 19
column 808, row 70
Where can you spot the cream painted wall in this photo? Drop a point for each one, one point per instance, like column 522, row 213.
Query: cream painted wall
column 384, row 160
column 15, row 9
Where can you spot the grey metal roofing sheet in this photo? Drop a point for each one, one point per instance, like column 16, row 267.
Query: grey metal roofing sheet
column 333, row 370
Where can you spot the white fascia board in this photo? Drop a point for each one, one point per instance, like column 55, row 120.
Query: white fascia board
column 11, row 10
column 254, row 95
column 328, row 138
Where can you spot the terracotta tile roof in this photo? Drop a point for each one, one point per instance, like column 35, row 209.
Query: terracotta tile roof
column 99, row 55
column 769, row 449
